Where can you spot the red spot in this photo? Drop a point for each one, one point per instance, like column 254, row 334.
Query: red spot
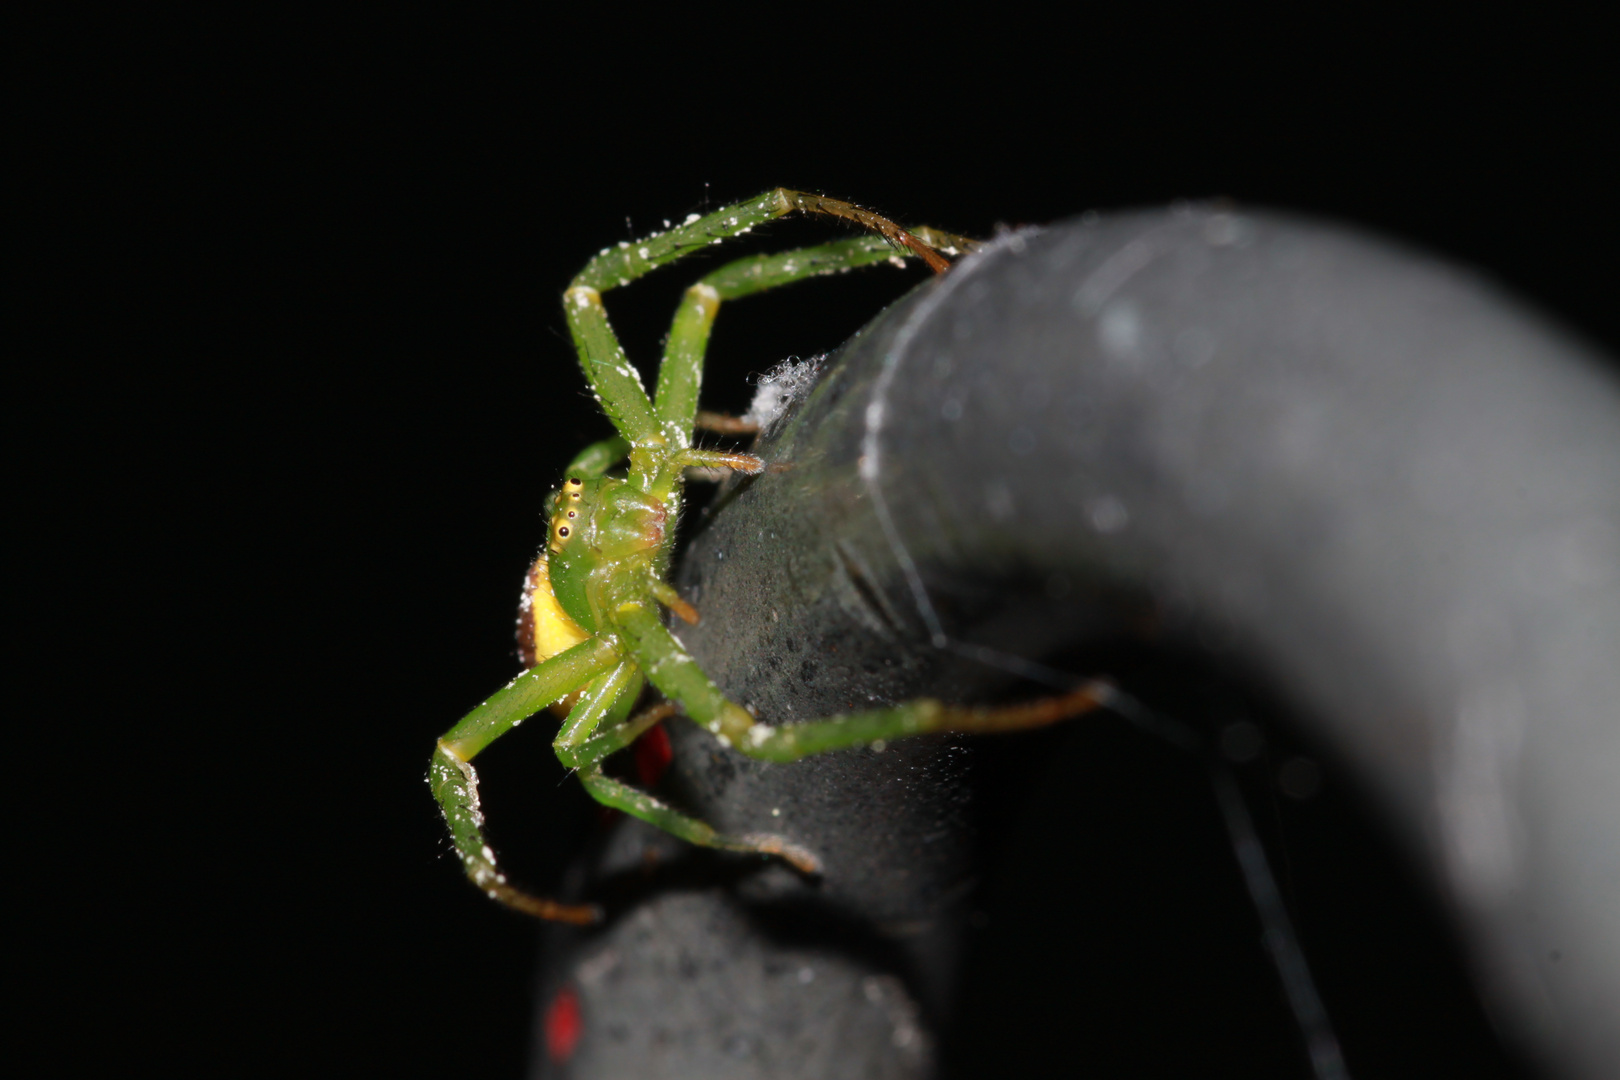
column 653, row 755
column 563, row 1025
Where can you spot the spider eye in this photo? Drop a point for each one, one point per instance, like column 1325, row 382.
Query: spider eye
column 573, row 513
column 562, row 530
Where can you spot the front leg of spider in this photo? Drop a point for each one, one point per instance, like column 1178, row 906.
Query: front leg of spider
column 454, row 782
column 593, row 632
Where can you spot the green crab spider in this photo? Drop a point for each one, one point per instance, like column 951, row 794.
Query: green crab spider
column 591, row 629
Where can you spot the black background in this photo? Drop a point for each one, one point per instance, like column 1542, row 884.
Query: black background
column 292, row 381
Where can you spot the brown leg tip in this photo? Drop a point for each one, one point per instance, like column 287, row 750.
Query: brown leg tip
column 800, row 858
column 541, row 908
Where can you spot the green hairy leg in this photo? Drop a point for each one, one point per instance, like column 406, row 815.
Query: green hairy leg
column 673, row 670
column 454, row 782
column 681, row 373
column 610, row 372
column 648, row 808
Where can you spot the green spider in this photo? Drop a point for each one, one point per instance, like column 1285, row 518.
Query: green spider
column 594, row 635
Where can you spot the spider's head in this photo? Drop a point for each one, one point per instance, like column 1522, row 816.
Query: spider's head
column 571, row 546
column 604, row 534
column 569, row 508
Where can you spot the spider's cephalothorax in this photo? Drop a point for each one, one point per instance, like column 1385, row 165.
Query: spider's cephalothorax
column 590, row 628
column 607, row 543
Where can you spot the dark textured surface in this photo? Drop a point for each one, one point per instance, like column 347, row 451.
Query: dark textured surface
column 1359, row 479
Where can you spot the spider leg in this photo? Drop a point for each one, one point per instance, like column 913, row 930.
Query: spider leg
column 722, row 424
column 673, row 670
column 624, row 263
column 454, row 781
column 871, row 727
column 548, row 681
column 653, row 811
column 581, row 747
column 610, row 373
column 608, row 699
column 598, row 458
column 614, row 739
column 666, row 594
column 681, row 373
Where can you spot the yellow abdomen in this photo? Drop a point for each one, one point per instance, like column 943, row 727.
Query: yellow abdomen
column 544, row 628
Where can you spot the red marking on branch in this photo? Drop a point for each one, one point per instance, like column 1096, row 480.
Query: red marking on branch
column 653, row 755
column 564, row 1025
